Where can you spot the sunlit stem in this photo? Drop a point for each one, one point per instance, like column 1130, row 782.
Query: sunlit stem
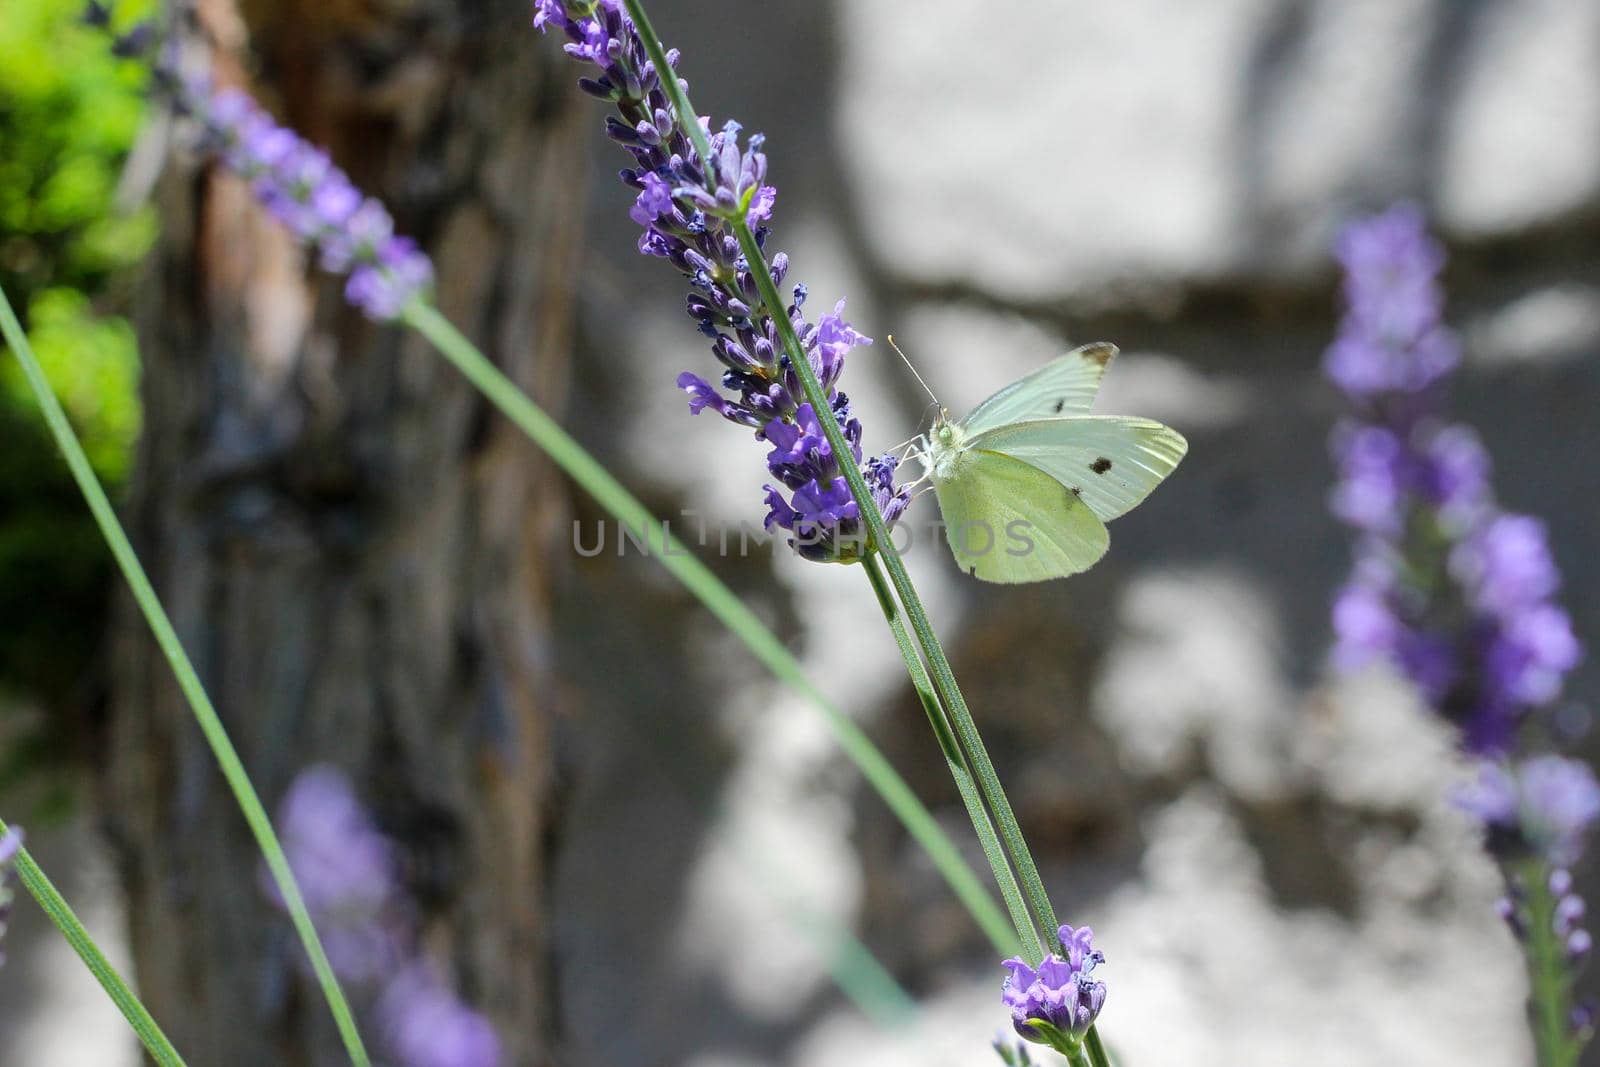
column 66, row 920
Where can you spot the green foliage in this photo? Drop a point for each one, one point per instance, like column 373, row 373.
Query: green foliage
column 69, row 113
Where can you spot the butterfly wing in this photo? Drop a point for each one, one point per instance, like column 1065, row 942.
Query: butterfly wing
column 1112, row 462
column 1010, row 522
column 1064, row 386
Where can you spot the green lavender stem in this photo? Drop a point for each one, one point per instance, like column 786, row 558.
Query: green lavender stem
column 1097, row 1051
column 992, row 851
column 1044, row 923
column 66, row 920
column 1549, row 978
column 1077, row 1056
column 188, row 680
column 721, row 601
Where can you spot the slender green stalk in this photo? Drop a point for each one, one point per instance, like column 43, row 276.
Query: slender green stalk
column 1078, row 1057
column 1549, row 974
column 721, row 601
column 863, row 980
column 66, row 920
column 1096, row 1050
column 188, row 680
column 992, row 851
column 1044, row 918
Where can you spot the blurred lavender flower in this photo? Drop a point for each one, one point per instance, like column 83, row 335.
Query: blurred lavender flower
column 1449, row 589
column 350, row 876
column 299, row 185
column 1545, row 805
column 10, row 845
column 684, row 204
column 1455, row 593
column 1057, row 1001
column 296, row 181
column 347, row 872
column 427, row 1025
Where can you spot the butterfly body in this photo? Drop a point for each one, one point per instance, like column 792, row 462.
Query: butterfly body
column 1027, row 481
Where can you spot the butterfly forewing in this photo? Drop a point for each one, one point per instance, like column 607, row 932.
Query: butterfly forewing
column 1111, row 462
column 1064, row 386
column 1010, row 522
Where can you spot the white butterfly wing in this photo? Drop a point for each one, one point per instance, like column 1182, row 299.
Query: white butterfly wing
column 1064, row 386
column 1009, row 522
column 1111, row 462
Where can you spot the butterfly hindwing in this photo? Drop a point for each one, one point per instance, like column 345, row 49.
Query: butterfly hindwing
column 1112, row 462
column 1007, row 521
column 1064, row 386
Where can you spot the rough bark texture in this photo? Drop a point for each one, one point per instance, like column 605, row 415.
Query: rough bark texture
column 356, row 552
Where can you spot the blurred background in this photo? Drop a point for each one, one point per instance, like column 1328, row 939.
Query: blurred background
column 626, row 845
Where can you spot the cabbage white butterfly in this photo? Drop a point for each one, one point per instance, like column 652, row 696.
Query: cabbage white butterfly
column 1027, row 482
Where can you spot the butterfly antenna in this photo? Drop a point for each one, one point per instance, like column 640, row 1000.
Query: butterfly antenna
column 912, row 369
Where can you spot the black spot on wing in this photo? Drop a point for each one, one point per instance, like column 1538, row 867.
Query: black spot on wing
column 1101, row 465
column 1059, row 405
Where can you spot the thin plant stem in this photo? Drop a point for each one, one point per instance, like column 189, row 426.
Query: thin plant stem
column 1044, row 919
column 1096, row 1050
column 860, row 976
column 1550, row 984
column 205, row 714
column 1078, row 1056
column 66, row 920
column 721, row 601
column 1004, row 877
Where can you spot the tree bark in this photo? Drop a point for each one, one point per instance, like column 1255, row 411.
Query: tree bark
column 357, row 553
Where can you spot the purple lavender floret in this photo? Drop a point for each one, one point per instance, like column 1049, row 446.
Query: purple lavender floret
column 1059, row 993
column 426, row 1025
column 347, row 871
column 1452, row 591
column 10, row 845
column 299, row 185
column 684, row 204
column 1545, row 805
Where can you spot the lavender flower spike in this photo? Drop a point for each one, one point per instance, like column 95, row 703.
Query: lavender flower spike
column 1055, row 1003
column 1459, row 596
column 10, row 845
column 1466, row 609
column 315, row 200
column 684, row 204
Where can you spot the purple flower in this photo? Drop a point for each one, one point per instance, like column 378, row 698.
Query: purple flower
column 1058, row 993
column 1507, row 564
column 347, row 872
column 350, row 877
column 1391, row 340
column 1364, row 625
column 1452, row 591
column 10, row 845
column 1559, row 802
column 686, row 206
column 427, row 1025
column 315, row 200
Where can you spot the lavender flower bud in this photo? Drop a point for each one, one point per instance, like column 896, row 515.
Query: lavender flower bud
column 1056, row 1002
